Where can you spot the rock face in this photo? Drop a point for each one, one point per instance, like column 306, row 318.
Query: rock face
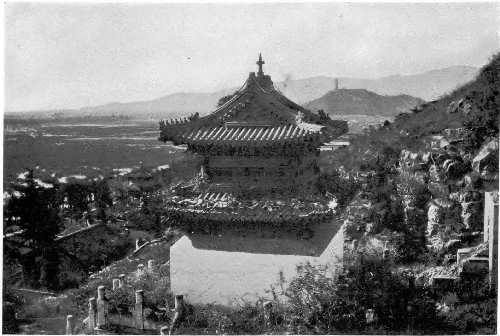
column 471, row 215
column 435, row 216
column 455, row 205
column 463, row 106
column 486, row 161
column 443, row 221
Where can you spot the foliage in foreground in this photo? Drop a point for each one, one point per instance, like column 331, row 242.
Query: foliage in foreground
column 315, row 303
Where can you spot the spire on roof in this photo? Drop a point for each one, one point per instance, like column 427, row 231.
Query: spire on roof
column 260, row 62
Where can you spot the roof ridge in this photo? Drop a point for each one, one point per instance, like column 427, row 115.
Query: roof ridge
column 238, row 94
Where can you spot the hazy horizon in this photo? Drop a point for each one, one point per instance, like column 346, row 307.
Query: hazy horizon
column 69, row 56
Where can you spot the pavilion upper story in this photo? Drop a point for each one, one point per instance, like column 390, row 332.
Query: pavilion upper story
column 256, row 120
column 257, row 139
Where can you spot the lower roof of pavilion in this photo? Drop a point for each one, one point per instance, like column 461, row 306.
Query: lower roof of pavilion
column 246, row 136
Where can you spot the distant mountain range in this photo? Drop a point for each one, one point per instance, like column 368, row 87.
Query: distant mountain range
column 361, row 101
column 428, row 85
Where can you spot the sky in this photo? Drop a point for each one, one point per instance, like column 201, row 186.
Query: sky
column 74, row 55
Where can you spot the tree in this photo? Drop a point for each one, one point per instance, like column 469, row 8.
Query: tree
column 37, row 214
column 78, row 194
column 103, row 199
column 323, row 116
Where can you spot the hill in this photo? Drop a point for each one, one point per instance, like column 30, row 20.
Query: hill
column 360, row 101
column 428, row 85
column 472, row 109
column 174, row 105
column 475, row 105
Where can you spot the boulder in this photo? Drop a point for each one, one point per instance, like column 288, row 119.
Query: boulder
column 452, row 107
column 439, row 210
column 486, row 161
column 463, row 106
column 435, row 213
column 471, row 215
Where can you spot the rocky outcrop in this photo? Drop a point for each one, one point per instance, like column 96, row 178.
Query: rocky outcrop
column 463, row 106
column 471, row 213
column 443, row 223
column 435, row 215
column 485, row 163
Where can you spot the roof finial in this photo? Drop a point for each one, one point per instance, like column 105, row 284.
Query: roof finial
column 260, row 62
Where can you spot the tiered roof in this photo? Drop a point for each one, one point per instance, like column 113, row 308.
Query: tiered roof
column 256, row 113
column 248, row 134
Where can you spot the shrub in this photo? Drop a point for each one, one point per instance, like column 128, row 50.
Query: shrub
column 321, row 304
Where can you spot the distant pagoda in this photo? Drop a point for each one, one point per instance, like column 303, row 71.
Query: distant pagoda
column 257, row 144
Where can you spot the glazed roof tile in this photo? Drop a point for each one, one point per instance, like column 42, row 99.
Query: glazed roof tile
column 247, row 134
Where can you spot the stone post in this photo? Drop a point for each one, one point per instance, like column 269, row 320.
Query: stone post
column 69, row 325
column 411, row 318
column 179, row 313
column 139, row 309
column 116, row 284
column 121, row 279
column 102, row 309
column 386, row 254
column 268, row 309
column 411, row 286
column 92, row 314
column 179, row 302
column 151, row 265
column 370, row 316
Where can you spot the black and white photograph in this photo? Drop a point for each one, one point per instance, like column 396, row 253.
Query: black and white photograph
column 250, row 168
